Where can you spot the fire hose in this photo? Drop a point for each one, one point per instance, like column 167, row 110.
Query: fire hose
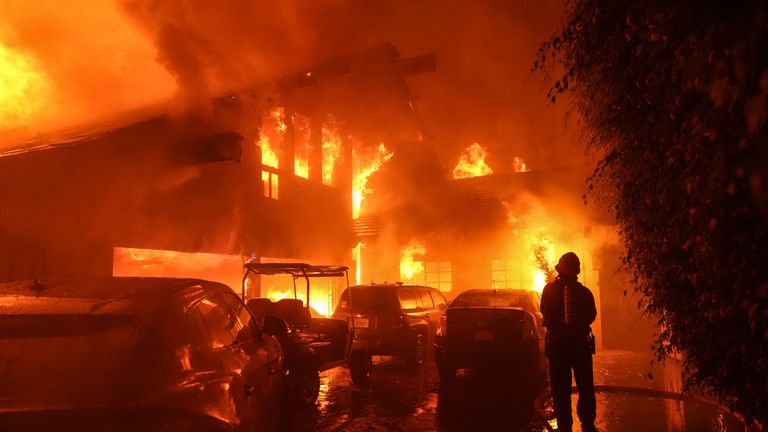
column 546, row 394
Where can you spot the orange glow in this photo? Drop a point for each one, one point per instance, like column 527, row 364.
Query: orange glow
column 362, row 167
column 272, row 134
column 409, row 267
column 331, row 151
column 321, row 298
column 519, row 165
column 226, row 269
column 24, row 88
column 472, row 163
column 357, row 252
column 301, row 134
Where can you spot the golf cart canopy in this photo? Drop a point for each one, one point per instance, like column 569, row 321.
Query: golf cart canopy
column 296, row 270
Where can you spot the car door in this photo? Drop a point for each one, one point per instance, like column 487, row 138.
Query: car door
column 440, row 305
column 214, row 330
column 262, row 358
column 428, row 309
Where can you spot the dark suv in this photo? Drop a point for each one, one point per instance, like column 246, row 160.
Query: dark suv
column 392, row 319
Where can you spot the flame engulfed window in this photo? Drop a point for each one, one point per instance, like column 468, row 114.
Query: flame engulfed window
column 331, row 150
column 438, row 275
column 272, row 133
column 301, row 136
column 363, row 165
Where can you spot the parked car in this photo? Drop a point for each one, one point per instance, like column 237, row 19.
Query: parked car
column 494, row 330
column 392, row 319
column 135, row 354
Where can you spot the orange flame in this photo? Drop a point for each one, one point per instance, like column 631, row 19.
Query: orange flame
column 542, row 259
column 272, row 133
column 409, row 267
column 24, row 88
column 321, row 299
column 331, row 152
column 361, row 170
column 519, row 165
column 472, row 163
column 301, row 133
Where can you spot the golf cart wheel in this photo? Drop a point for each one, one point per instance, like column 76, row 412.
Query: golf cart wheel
column 360, row 365
column 305, row 385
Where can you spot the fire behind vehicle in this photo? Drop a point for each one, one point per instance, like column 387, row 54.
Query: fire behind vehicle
column 391, row 319
column 493, row 330
column 134, row 354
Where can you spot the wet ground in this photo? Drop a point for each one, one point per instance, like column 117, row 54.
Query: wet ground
column 633, row 396
column 402, row 399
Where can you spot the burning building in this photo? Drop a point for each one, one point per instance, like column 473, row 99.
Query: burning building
column 261, row 172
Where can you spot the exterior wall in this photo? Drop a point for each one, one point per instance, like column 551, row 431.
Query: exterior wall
column 146, row 186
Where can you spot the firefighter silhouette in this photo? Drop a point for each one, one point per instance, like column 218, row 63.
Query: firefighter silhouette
column 568, row 308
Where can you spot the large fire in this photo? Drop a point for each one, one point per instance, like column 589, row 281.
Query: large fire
column 321, row 298
column 363, row 165
column 301, row 134
column 272, row 133
column 24, row 88
column 331, row 151
column 472, row 163
column 409, row 267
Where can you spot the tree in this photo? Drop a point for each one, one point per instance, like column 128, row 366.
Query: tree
column 674, row 97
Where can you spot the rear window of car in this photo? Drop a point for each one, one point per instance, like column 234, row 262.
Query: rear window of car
column 494, row 299
column 369, row 298
column 408, row 298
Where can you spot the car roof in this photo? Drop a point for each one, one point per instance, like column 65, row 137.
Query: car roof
column 513, row 291
column 135, row 291
column 390, row 285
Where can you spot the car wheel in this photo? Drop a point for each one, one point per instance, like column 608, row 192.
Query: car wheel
column 360, row 365
column 305, row 384
column 418, row 350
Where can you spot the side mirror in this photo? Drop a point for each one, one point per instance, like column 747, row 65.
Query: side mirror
column 275, row 326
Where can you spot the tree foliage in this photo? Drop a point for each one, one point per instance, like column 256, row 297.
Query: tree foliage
column 674, row 96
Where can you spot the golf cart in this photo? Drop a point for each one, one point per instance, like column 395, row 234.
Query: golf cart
column 311, row 344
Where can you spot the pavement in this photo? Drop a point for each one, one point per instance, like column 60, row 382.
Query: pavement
column 634, row 393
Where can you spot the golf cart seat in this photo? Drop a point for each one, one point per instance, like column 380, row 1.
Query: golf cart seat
column 260, row 307
column 293, row 312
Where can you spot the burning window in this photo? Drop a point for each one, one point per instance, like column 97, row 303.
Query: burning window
column 302, row 144
column 331, row 150
column 438, row 275
column 365, row 163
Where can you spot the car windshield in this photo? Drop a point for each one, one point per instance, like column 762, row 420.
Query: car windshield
column 367, row 298
column 494, row 299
